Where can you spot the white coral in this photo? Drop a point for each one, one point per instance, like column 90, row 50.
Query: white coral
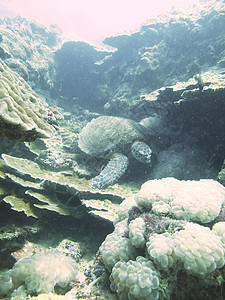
column 199, row 201
column 116, row 247
column 42, row 271
column 124, row 208
column 136, row 232
column 198, row 248
column 136, row 279
column 219, row 228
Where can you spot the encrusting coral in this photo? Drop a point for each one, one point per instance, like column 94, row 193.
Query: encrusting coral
column 155, row 238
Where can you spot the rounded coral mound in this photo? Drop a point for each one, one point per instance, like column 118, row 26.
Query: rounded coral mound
column 41, row 272
column 189, row 200
column 169, row 235
column 197, row 249
column 136, row 279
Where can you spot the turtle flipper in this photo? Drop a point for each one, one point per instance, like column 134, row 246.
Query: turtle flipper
column 115, row 168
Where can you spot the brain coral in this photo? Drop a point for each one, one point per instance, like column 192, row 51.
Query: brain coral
column 24, row 115
column 156, row 240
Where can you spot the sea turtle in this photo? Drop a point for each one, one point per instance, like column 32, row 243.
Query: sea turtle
column 114, row 138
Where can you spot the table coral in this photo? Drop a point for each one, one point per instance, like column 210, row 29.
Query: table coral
column 34, row 191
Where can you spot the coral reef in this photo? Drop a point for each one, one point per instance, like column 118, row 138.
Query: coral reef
column 27, row 48
column 24, row 114
column 150, row 239
column 33, row 190
column 169, row 237
column 199, row 201
column 135, row 279
column 89, row 282
column 39, row 273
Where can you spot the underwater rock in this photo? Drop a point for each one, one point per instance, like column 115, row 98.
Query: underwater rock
column 28, row 48
column 24, row 115
column 152, row 247
column 12, row 238
column 182, row 114
column 221, row 175
column 183, row 161
column 79, row 75
column 168, row 48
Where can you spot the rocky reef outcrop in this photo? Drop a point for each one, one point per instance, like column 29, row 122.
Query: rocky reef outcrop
column 27, row 48
column 169, row 73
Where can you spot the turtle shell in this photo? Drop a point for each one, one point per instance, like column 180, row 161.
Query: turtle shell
column 106, row 134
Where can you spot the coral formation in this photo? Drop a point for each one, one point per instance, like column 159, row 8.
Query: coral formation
column 190, row 200
column 171, row 233
column 39, row 273
column 117, row 247
column 34, row 190
column 195, row 248
column 24, row 115
column 155, row 234
column 135, row 279
column 27, row 48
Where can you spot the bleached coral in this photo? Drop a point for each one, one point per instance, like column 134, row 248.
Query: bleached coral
column 117, row 247
column 198, row 248
column 136, row 232
column 156, row 223
column 6, row 286
column 199, row 201
column 219, row 228
column 19, row 294
column 160, row 249
column 124, row 208
column 41, row 272
column 135, row 279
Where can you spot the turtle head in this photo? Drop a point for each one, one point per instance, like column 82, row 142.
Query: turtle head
column 141, row 152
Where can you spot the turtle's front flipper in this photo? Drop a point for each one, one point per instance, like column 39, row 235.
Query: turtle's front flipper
column 112, row 172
